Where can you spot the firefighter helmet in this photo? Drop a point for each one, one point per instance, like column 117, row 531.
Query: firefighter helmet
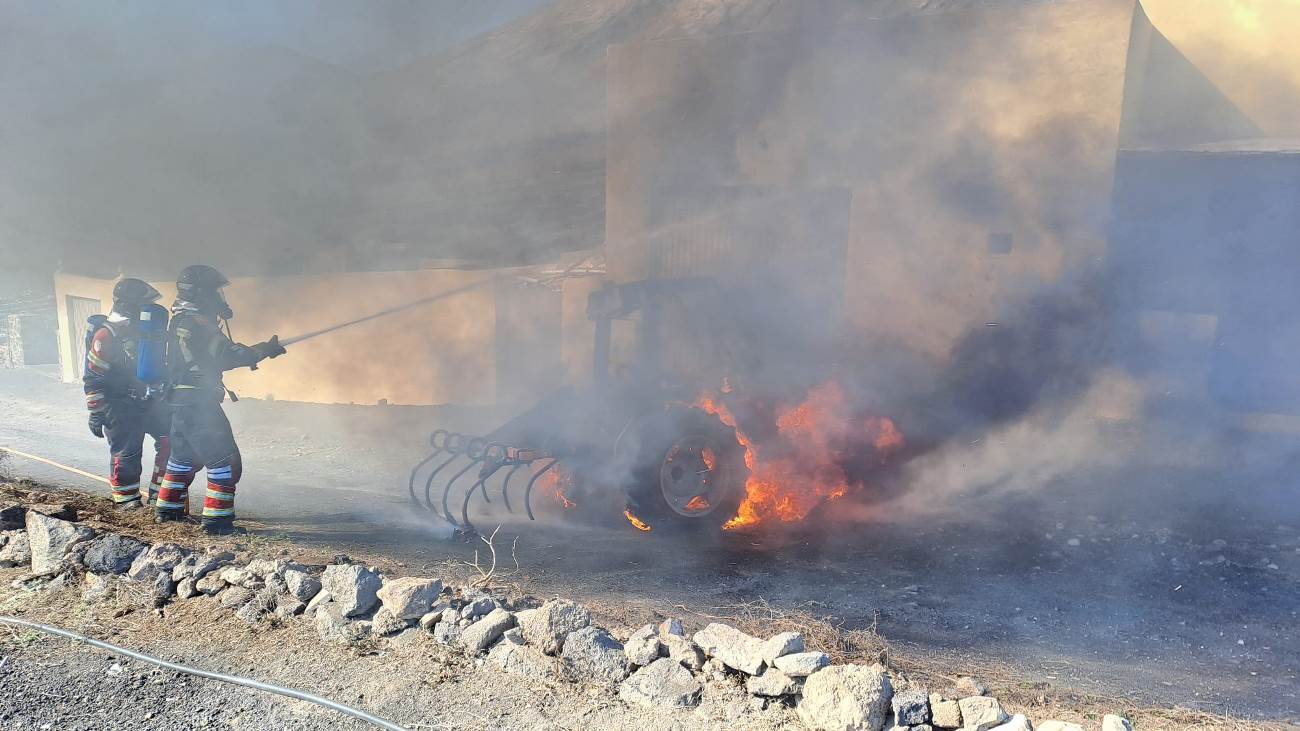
column 130, row 294
column 201, row 284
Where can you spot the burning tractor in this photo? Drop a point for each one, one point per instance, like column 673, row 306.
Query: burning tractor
column 674, row 455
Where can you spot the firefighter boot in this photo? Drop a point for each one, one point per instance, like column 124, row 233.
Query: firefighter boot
column 219, row 526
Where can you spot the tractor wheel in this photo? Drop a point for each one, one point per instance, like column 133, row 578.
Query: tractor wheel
column 690, row 472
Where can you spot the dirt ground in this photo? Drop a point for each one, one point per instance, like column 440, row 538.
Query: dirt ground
column 1060, row 601
column 53, row 683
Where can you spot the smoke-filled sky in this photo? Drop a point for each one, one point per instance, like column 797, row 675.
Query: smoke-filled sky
column 1247, row 48
column 288, row 127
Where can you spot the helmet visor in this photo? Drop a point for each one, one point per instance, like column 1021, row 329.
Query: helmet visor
column 223, row 306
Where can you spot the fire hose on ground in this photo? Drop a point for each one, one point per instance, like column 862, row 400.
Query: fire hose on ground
column 232, row 679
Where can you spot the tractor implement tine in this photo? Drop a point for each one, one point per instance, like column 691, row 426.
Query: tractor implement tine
column 446, row 492
column 464, row 506
column 491, row 463
column 428, row 484
column 437, row 450
column 528, row 491
column 505, row 486
column 451, row 444
column 494, row 456
column 471, row 450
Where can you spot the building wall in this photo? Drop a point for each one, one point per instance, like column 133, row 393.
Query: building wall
column 440, row 353
column 1202, row 262
column 978, row 149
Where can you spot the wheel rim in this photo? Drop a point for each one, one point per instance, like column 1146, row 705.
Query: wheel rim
column 693, row 477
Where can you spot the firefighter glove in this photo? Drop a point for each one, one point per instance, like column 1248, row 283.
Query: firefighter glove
column 97, row 424
column 272, row 348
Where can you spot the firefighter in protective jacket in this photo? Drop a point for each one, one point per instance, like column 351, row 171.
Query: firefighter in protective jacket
column 199, row 352
column 123, row 408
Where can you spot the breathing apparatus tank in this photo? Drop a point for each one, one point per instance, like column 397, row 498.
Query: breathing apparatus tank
column 93, row 323
column 151, row 352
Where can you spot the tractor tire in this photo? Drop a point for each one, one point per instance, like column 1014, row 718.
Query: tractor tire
column 689, row 472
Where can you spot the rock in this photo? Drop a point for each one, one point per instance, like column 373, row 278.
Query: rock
column 386, row 623
column 235, row 596
column 17, row 550
column 197, row 566
column 212, row 584
column 1111, row 722
column 163, row 588
column 643, row 647
column 322, row 597
column 410, row 597
column 241, row 576
column 97, row 588
column 480, row 635
column 1017, row 722
column 58, row 583
column 302, row 585
column 13, row 517
column 478, row 605
column 845, row 697
column 967, row 686
column 734, row 648
column 186, row 589
column 671, row 627
column 1059, row 726
column 446, row 633
column 911, row 708
column 518, row 659
column 802, row 664
column 786, row 643
column 276, row 585
column 354, row 589
column 922, row 727
column 62, row 511
column 160, row 558
column 264, row 568
column 514, row 636
column 258, row 607
column 682, row 651
column 429, row 620
column 50, row 540
column 112, row 554
column 714, row 669
column 547, row 626
column 661, row 683
column 981, row 713
column 944, row 713
column 592, row 654
column 333, row 626
column 288, row 606
column 771, row 683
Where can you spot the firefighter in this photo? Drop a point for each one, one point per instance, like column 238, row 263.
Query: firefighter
column 124, row 408
column 199, row 352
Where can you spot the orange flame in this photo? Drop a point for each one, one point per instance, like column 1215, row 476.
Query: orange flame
column 635, row 521
column 699, row 502
column 555, row 481
column 710, row 459
column 807, row 469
